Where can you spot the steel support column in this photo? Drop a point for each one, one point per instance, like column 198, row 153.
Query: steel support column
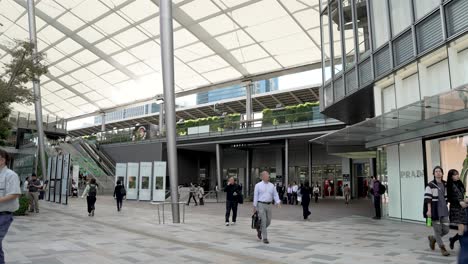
column 248, row 171
column 161, row 119
column 37, row 88
column 167, row 54
column 219, row 167
column 309, row 151
column 103, row 122
column 248, row 103
column 286, row 161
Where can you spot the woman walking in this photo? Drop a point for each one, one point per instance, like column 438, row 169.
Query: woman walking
column 306, row 193
column 90, row 192
column 435, row 207
column 119, row 194
column 455, row 193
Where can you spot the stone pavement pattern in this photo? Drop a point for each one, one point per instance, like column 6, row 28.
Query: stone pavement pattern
column 65, row 234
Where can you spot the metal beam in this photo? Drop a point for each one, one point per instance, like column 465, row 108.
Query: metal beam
column 201, row 112
column 276, row 100
column 83, row 42
column 189, row 114
column 314, row 93
column 198, row 31
column 296, row 98
column 260, row 103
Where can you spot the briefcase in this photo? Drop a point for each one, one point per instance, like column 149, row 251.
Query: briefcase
column 255, row 221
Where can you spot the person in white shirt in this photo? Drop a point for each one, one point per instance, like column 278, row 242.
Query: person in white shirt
column 264, row 195
column 294, row 193
column 10, row 192
column 289, row 194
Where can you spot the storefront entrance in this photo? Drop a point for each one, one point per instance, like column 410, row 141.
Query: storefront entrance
column 449, row 152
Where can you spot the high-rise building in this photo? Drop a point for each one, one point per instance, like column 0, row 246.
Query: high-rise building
column 235, row 91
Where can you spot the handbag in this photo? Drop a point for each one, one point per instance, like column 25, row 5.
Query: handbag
column 240, row 199
column 255, row 221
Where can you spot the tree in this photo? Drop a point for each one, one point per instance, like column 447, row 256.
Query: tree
column 23, row 68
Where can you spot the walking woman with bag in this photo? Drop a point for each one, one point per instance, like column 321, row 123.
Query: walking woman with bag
column 91, row 192
column 458, row 204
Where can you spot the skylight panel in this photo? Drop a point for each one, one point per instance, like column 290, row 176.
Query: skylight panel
column 85, row 56
column 89, row 10
column 65, row 93
column 114, row 77
column 140, row 9
column 200, row 8
column 100, row 67
column 130, row 37
column 111, row 23
column 70, row 21
column 90, row 34
column 218, row 25
column 222, row 75
column 249, row 53
column 209, row 64
column 125, row 58
column 108, row 46
column 235, row 40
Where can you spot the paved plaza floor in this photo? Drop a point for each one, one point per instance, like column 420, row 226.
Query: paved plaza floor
column 335, row 234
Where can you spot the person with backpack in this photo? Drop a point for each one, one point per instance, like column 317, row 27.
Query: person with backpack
column 119, row 194
column 458, row 205
column 91, row 192
column 377, row 190
column 435, row 208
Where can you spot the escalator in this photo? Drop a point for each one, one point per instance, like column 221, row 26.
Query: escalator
column 88, row 165
column 101, row 159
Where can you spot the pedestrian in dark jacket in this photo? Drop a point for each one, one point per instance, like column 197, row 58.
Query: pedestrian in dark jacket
column 306, row 193
column 119, row 194
column 458, row 204
column 435, row 207
column 233, row 191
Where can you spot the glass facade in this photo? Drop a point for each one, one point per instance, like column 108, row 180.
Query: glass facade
column 380, row 28
column 400, row 11
column 348, row 28
column 336, row 31
column 326, row 48
column 362, row 23
column 423, row 7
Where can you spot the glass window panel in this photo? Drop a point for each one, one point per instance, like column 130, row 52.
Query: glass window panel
column 407, row 90
column 348, row 32
column 379, row 23
column 336, row 31
column 388, row 98
column 131, row 182
column 362, row 28
column 326, row 48
column 400, row 11
column 145, row 182
column 422, row 7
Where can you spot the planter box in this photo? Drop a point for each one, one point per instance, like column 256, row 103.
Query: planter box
column 198, row 130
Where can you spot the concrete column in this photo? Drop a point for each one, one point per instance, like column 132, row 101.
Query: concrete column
column 103, row 122
column 37, row 89
column 286, row 161
column 167, row 58
column 219, row 167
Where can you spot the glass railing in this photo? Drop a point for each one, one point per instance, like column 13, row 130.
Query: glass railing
column 272, row 120
column 28, row 120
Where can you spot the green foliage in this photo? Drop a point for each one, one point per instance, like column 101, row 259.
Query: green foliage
column 23, row 68
column 231, row 121
column 23, row 205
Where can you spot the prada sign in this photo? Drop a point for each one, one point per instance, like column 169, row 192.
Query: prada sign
column 412, row 174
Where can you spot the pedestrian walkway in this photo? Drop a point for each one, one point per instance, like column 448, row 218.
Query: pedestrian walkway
column 65, row 234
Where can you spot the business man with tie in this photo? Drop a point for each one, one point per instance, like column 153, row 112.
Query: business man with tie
column 264, row 195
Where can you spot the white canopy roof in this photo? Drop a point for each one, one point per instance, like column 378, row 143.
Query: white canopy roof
column 103, row 53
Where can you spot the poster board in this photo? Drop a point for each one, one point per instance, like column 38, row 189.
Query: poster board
column 132, row 181
column 159, row 181
column 145, row 181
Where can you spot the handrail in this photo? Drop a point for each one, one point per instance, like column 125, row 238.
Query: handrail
column 271, row 122
column 158, row 204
